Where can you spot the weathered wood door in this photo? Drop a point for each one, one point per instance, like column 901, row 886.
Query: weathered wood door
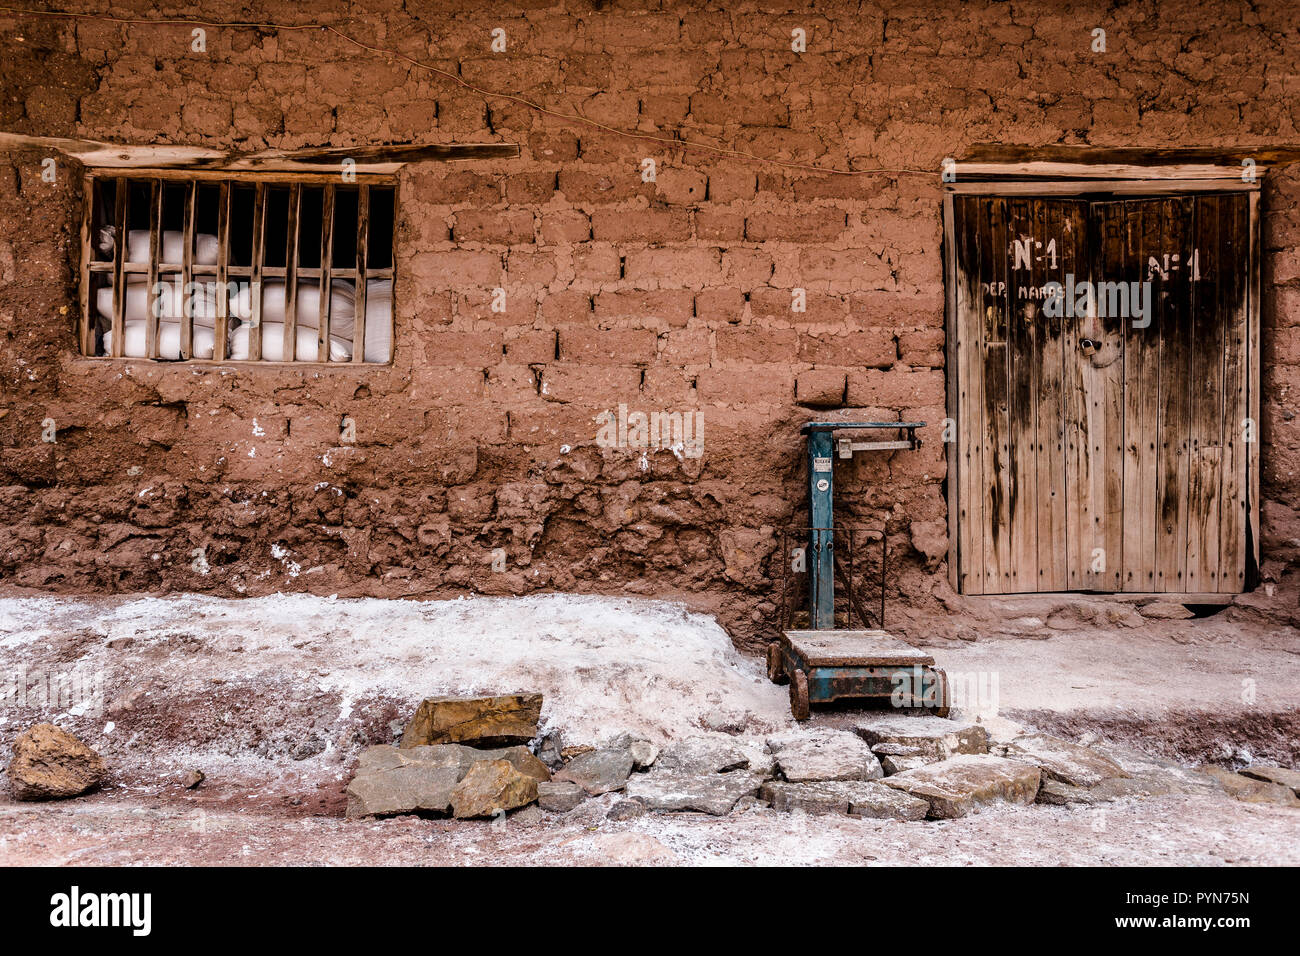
column 1103, row 379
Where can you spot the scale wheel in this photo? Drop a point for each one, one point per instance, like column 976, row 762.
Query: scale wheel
column 799, row 695
column 775, row 666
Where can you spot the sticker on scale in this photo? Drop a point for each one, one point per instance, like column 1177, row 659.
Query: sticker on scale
column 822, row 484
column 821, row 464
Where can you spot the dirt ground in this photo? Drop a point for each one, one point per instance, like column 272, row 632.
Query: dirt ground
column 183, row 693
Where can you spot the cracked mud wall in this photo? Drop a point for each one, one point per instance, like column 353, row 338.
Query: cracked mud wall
column 665, row 296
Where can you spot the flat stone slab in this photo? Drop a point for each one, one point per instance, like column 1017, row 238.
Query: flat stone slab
column 854, row 649
column 1061, row 760
column 675, row 791
column 1278, row 775
column 1059, row 794
column 967, row 782
column 599, row 771
column 803, row 756
column 559, row 796
column 939, row 737
column 864, row 798
column 1250, row 790
column 700, row 755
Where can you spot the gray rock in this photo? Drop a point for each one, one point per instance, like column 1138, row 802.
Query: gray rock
column 939, row 737
column 700, row 755
column 1062, row 760
column 559, row 796
column 822, row 754
column 549, row 750
column 599, row 771
column 967, row 782
column 393, row 780
column 674, row 790
column 192, row 779
column 1141, row 785
column 626, row 810
column 892, row 765
column 644, row 754
column 308, row 748
column 858, row 797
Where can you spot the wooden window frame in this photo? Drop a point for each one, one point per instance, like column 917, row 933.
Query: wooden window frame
column 223, row 271
column 1060, row 178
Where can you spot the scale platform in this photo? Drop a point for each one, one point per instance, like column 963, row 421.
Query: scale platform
column 827, row 665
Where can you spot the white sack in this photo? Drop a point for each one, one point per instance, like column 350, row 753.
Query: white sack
column 169, row 341
column 305, row 349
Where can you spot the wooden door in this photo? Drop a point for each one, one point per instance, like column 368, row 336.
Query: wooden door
column 1103, row 387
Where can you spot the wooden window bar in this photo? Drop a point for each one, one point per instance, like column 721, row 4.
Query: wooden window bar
column 159, row 187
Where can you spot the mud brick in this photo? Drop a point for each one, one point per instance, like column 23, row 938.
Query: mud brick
column 756, row 344
column 457, row 186
column 720, row 222
column 819, row 307
column 475, row 349
column 457, row 268
column 597, row 262
column 895, row 388
column 562, row 308
column 534, row 187
column 923, row 348
column 529, row 268
column 820, row 388
column 565, row 225
column 676, row 267
column 531, row 347
column 746, row 384
column 844, row 269
column 730, row 183
column 589, row 187
column 608, row 346
column 672, row 306
column 554, row 146
column 871, row 347
column 687, row 347
column 747, row 268
column 681, row 186
column 500, row 226
column 600, row 385
column 720, row 305
column 641, row 225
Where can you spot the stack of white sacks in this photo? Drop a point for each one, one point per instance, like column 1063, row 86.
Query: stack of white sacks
column 379, row 310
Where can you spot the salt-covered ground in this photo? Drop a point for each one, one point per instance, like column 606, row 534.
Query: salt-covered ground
column 272, row 698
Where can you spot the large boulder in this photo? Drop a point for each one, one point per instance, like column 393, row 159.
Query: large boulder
column 490, row 787
column 51, row 764
column 1279, row 775
column 482, row 721
column 1063, row 761
column 1250, row 790
column 823, row 754
column 393, row 780
column 965, row 783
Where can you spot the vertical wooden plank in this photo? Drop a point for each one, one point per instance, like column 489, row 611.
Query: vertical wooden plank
column 1174, row 431
column 1101, row 550
column 290, row 349
column 970, row 395
column 90, row 198
column 1078, row 479
column 1143, row 223
column 363, row 237
column 119, row 256
column 1253, row 385
column 997, row 426
column 187, row 273
column 1208, row 251
column 1025, row 249
column 221, row 325
column 255, row 279
column 1234, row 303
column 154, row 313
column 1051, row 219
column 326, row 262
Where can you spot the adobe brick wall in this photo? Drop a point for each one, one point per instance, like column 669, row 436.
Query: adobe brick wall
column 665, row 296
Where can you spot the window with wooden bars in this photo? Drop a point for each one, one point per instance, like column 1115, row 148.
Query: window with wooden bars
column 256, row 269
